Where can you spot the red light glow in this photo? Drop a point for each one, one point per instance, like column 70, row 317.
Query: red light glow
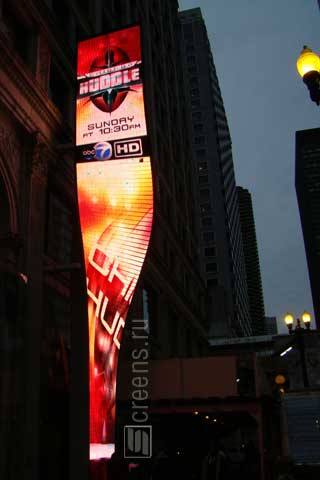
column 115, row 199
column 115, row 242
column 110, row 101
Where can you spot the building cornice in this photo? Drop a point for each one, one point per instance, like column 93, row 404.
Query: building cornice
column 23, row 97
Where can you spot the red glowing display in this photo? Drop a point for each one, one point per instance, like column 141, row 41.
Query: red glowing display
column 115, row 199
column 109, row 82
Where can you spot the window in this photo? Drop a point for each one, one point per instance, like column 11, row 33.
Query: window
column 211, row 267
column 201, row 153
column 192, row 69
column 203, row 179
column 196, row 116
column 212, row 282
column 210, row 252
column 193, row 82
column 198, row 128
column 189, row 49
column 199, row 140
column 202, row 167
column 194, row 92
column 204, row 193
column 205, row 208
column 206, row 222
column 191, row 59
column 188, row 31
column 195, row 103
column 208, row 236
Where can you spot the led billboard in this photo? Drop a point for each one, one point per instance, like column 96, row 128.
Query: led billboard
column 110, row 103
column 115, row 199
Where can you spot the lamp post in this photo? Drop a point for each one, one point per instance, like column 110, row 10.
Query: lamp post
column 308, row 66
column 299, row 331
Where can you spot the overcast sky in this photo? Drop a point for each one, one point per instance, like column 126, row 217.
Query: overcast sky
column 255, row 44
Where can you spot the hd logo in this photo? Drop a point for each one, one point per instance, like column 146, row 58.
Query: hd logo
column 128, row 148
column 100, row 151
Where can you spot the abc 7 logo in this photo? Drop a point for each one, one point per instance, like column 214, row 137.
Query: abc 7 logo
column 101, row 151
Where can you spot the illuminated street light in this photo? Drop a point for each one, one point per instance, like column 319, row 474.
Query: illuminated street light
column 308, row 66
column 299, row 331
column 288, row 319
column 306, row 318
column 308, row 61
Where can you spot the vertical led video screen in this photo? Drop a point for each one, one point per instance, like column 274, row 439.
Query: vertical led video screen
column 115, row 199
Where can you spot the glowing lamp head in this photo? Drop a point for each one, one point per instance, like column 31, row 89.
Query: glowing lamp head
column 280, row 379
column 306, row 318
column 307, row 62
column 288, row 320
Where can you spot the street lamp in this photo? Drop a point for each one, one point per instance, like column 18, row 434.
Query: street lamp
column 299, row 331
column 308, row 66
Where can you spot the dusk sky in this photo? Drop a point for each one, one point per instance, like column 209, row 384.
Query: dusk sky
column 255, row 44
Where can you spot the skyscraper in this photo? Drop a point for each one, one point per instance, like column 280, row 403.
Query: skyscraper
column 221, row 251
column 307, row 180
column 270, row 326
column 251, row 257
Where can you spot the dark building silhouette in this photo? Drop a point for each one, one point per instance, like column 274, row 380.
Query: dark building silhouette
column 221, row 252
column 251, row 256
column 307, row 180
column 270, row 326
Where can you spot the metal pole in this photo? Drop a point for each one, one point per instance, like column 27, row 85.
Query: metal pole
column 299, row 332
